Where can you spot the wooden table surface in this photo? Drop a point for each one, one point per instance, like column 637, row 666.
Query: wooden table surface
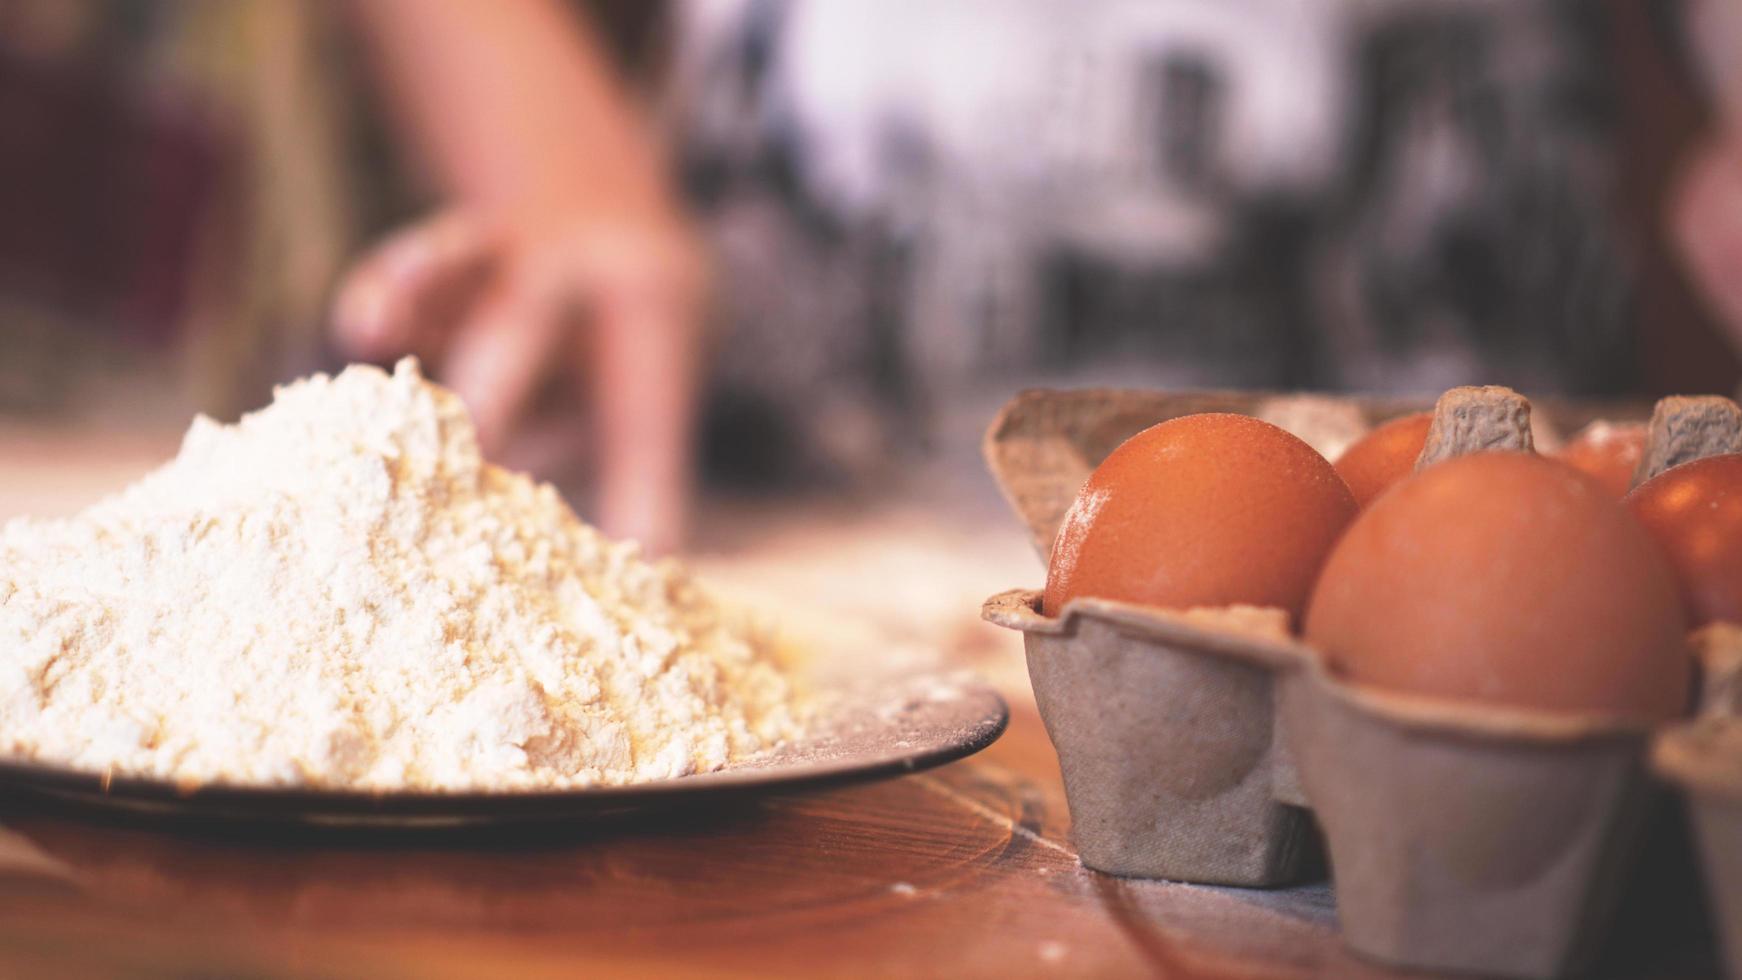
column 963, row 871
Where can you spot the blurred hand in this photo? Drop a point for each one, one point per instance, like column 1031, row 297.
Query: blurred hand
column 1706, row 220
column 496, row 306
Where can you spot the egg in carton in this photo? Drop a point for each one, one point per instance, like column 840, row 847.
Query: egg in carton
column 1464, row 836
column 1479, row 816
column 1161, row 718
column 1701, row 521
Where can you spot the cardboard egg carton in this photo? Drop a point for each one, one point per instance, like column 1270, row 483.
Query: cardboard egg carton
column 1704, row 758
column 1197, row 745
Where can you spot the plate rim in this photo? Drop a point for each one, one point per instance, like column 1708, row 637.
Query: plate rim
column 306, row 804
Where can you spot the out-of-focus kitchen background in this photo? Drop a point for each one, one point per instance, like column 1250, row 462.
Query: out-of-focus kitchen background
column 905, row 210
column 782, row 260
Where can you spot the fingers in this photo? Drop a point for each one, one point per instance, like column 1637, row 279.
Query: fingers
column 645, row 373
column 495, row 316
column 408, row 294
column 499, row 354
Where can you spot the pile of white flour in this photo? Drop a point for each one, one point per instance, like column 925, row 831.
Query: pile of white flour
column 338, row 592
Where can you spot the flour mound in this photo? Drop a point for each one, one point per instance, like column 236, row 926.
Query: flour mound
column 338, row 592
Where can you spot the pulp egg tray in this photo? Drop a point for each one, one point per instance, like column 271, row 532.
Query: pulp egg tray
column 1202, row 746
column 1704, row 757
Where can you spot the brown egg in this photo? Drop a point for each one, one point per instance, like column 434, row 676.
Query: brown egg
column 1205, row 510
column 1609, row 452
column 1384, row 456
column 1695, row 512
column 1509, row 579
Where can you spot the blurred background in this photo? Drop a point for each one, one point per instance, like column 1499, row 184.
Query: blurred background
column 777, row 245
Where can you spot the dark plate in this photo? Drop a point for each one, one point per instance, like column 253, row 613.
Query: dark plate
column 870, row 734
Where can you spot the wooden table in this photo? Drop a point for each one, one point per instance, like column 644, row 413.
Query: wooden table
column 964, row 871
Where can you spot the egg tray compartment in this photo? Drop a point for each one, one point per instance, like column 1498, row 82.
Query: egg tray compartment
column 1461, row 837
column 1481, row 841
column 1165, row 736
column 1703, row 757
